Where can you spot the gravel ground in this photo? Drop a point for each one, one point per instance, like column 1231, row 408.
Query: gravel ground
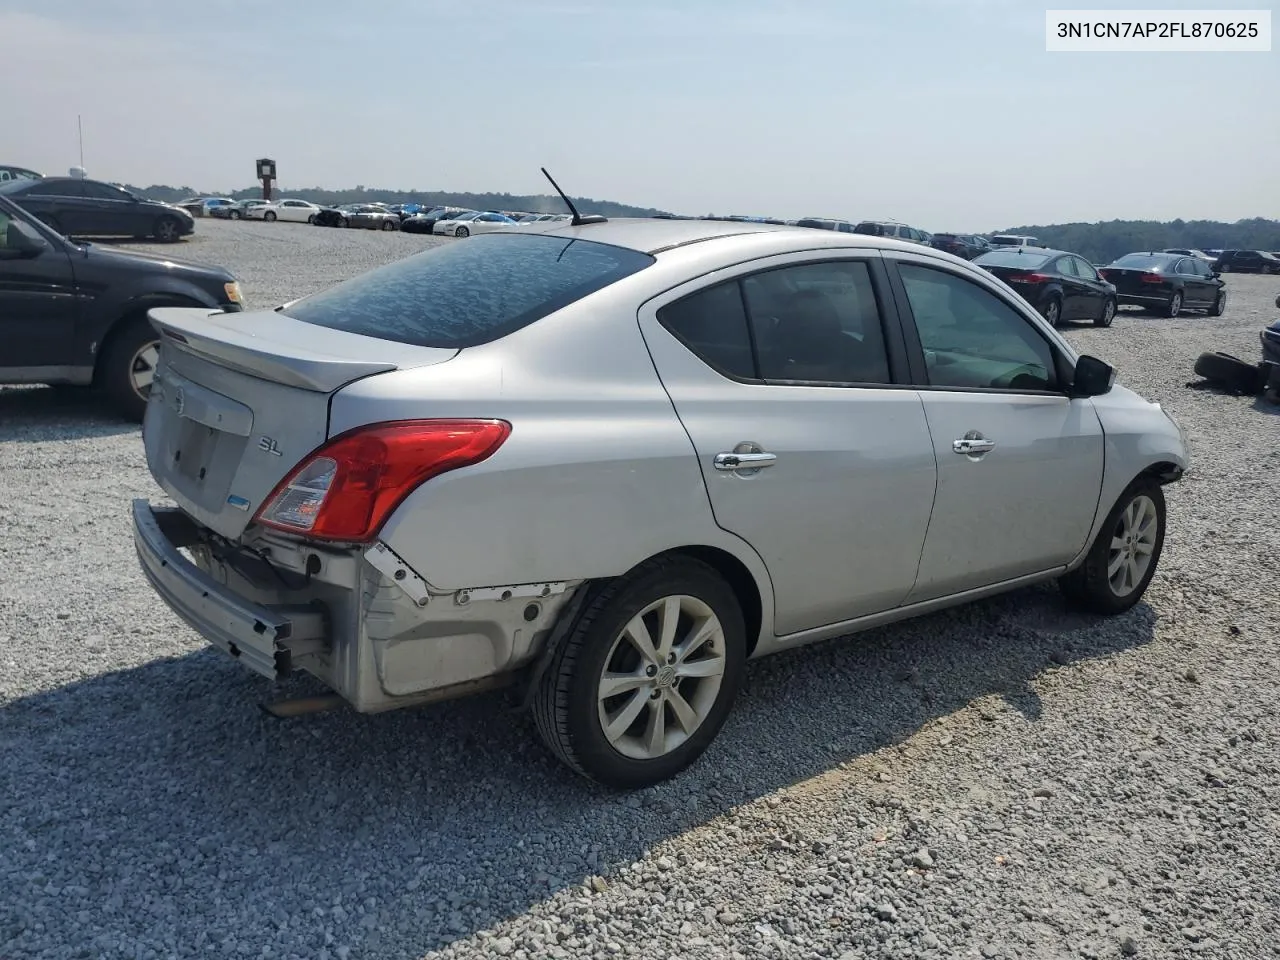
column 1004, row 780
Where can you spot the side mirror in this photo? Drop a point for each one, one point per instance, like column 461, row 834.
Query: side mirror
column 1092, row 377
column 23, row 241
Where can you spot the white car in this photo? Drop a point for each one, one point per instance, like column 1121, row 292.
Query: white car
column 475, row 222
column 292, row 211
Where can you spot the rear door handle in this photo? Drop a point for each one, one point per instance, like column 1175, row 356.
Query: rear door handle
column 744, row 461
column 972, row 444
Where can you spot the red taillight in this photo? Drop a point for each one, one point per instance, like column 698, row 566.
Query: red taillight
column 1152, row 278
column 1030, row 277
column 347, row 488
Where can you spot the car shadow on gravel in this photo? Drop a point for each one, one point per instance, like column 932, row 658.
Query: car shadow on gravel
column 44, row 414
column 398, row 833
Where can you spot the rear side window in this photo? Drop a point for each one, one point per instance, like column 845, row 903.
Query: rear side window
column 470, row 293
column 816, row 323
column 713, row 324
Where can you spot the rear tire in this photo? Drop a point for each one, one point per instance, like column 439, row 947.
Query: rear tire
column 668, row 704
column 1123, row 559
column 388, row 225
column 235, row 214
column 1053, row 312
column 1232, row 372
column 312, row 219
column 1174, row 307
column 269, row 216
column 127, row 367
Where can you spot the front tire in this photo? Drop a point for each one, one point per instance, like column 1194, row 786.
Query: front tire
column 1108, row 314
column 269, row 217
column 1219, row 305
column 1123, row 558
column 235, row 215
column 462, row 232
column 128, row 366
column 167, row 230
column 388, row 225
column 646, row 677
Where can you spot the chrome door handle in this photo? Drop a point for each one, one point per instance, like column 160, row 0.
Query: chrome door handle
column 744, row 461
column 972, row 444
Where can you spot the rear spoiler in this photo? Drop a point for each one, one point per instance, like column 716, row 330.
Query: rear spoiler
column 270, row 346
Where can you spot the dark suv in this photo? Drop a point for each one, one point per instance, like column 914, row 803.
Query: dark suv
column 90, row 208
column 1247, row 261
column 77, row 313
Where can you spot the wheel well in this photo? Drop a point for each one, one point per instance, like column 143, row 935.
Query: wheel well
column 739, row 579
column 1163, row 472
column 135, row 312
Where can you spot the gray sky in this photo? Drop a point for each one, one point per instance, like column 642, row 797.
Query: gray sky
column 948, row 114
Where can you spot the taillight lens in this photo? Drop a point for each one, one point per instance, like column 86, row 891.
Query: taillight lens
column 1152, row 278
column 347, row 488
column 1030, row 277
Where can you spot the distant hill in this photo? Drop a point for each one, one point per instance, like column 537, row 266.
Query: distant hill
column 539, row 203
column 1105, row 241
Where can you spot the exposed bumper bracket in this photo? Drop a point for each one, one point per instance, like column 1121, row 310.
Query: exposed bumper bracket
column 265, row 638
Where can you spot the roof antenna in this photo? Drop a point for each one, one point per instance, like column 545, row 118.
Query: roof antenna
column 578, row 219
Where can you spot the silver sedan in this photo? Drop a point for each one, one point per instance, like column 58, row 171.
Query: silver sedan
column 610, row 462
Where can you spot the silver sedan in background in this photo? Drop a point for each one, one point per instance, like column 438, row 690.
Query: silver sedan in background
column 610, row 462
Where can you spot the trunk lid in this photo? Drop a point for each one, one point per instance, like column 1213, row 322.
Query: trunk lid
column 240, row 399
column 1129, row 280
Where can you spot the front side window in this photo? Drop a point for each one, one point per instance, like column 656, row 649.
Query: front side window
column 469, row 293
column 1085, row 269
column 973, row 339
column 818, row 323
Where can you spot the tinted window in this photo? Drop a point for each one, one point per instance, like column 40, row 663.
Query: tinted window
column 971, row 338
column 469, row 293
column 64, row 188
column 870, row 229
column 818, row 224
column 1011, row 258
column 818, row 322
column 1085, row 269
column 102, row 191
column 1141, row 261
column 1184, row 267
column 713, row 324
column 1066, row 266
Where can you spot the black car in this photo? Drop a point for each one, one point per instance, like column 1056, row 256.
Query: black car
column 331, row 217
column 1167, row 282
column 961, row 244
column 77, row 313
column 90, row 208
column 1061, row 285
column 1247, row 261
column 426, row 222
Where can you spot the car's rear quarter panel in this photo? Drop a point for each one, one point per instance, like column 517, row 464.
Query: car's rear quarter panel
column 597, row 475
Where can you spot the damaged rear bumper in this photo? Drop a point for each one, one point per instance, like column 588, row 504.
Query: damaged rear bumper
column 263, row 637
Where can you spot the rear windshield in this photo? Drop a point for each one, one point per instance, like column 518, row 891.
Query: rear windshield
column 1140, row 261
column 870, row 229
column 470, row 292
column 1012, row 258
column 819, row 224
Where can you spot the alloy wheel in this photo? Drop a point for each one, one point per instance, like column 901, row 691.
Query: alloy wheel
column 142, row 369
column 1132, row 544
column 661, row 678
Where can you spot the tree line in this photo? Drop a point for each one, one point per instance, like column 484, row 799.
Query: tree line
column 1104, row 242
column 536, row 203
column 1099, row 242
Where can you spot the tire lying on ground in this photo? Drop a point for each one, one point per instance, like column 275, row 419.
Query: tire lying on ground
column 1231, row 372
